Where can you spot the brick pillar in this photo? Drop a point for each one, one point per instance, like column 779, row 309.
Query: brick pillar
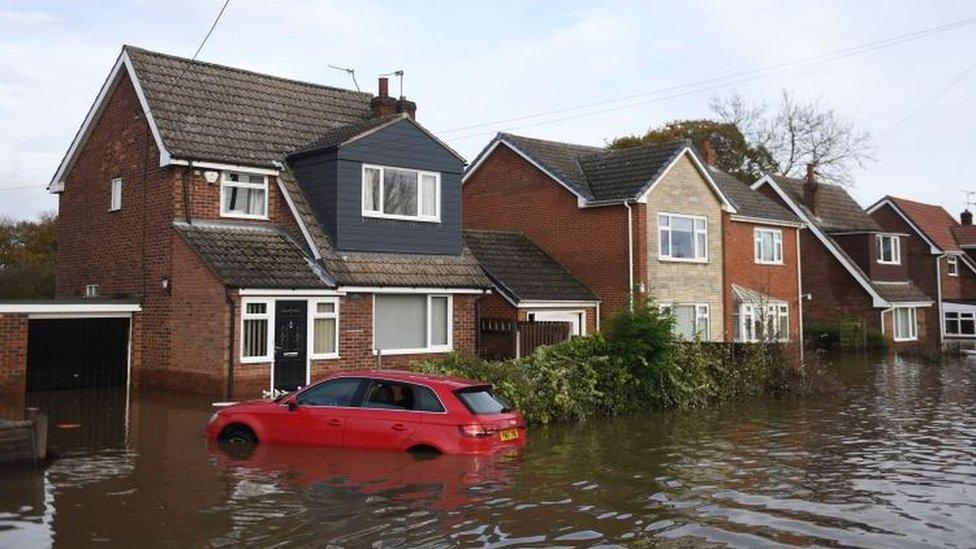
column 13, row 365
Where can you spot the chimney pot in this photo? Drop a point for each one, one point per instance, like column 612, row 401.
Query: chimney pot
column 810, row 187
column 708, row 152
column 383, row 105
column 966, row 217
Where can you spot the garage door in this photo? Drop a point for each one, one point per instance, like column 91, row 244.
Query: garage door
column 77, row 353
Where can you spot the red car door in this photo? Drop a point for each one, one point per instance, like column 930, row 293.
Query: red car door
column 319, row 414
column 385, row 420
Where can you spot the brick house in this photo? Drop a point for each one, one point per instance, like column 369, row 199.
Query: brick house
column 852, row 271
column 648, row 218
column 936, row 246
column 761, row 264
column 272, row 230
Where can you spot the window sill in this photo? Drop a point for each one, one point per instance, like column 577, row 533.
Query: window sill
column 905, row 339
column 422, row 351
column 680, row 260
column 759, row 262
column 374, row 215
column 244, row 216
column 330, row 356
column 256, row 360
column 889, row 262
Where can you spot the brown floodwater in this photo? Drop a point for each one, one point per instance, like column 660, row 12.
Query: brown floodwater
column 889, row 462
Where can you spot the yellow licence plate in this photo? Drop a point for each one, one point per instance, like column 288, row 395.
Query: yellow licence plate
column 508, row 434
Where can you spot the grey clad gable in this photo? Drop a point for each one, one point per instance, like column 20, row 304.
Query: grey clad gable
column 329, row 172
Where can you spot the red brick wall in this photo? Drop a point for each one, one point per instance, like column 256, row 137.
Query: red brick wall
column 777, row 281
column 506, row 192
column 126, row 252
column 205, row 200
column 13, row 364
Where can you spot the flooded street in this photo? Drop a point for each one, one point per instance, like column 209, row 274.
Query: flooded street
column 889, row 462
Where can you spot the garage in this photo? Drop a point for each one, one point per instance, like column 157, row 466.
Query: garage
column 67, row 344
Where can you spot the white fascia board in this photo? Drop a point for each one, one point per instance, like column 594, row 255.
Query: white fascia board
column 409, row 290
column 951, row 307
column 726, row 204
column 80, row 310
column 764, row 221
column 298, row 219
column 886, row 201
column 98, row 107
column 876, row 299
column 554, row 304
column 271, row 292
column 204, row 165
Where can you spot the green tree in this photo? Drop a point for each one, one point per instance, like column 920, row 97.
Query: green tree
column 27, row 258
column 733, row 152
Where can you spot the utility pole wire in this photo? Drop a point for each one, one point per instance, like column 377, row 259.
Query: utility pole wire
column 927, row 104
column 200, row 47
column 835, row 55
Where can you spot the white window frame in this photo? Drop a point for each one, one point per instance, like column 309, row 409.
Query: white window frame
column 895, row 249
column 436, row 218
column 268, row 315
column 91, row 290
column 313, row 315
column 912, row 327
column 225, row 183
column 774, row 312
column 952, row 265
column 958, row 317
column 429, row 348
column 701, row 256
column 701, row 315
column 115, row 195
column 777, row 258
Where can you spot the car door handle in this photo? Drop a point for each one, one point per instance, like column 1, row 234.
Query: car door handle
column 399, row 427
column 335, row 422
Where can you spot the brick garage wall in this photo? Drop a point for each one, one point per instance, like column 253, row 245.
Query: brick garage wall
column 508, row 193
column 13, row 365
column 126, row 252
column 777, row 281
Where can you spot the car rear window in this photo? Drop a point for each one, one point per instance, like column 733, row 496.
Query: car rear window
column 482, row 401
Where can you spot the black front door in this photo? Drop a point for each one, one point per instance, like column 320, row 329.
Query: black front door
column 290, row 347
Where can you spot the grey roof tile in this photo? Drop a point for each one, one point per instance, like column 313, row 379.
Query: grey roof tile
column 748, row 202
column 522, row 270
column 835, row 210
column 252, row 255
column 900, row 292
column 337, row 136
column 408, row 270
column 232, row 115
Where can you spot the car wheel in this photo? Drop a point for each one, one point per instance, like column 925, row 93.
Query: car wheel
column 238, row 435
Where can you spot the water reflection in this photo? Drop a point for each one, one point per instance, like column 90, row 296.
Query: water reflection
column 888, row 463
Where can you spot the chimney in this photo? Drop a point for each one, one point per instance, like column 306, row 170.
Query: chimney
column 810, row 187
column 409, row 107
column 383, row 105
column 708, row 152
column 966, row 217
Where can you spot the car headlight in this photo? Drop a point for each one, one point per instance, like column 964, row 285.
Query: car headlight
column 213, row 418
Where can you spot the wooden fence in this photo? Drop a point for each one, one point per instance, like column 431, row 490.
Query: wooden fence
column 502, row 339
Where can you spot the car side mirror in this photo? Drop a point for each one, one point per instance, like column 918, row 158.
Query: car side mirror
column 292, row 405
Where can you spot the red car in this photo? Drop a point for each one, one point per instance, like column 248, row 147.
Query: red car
column 378, row 410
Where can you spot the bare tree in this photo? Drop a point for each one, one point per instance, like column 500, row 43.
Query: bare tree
column 797, row 133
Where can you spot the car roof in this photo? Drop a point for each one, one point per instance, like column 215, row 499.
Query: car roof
column 448, row 382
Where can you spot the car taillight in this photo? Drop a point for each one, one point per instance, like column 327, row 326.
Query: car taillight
column 474, row 430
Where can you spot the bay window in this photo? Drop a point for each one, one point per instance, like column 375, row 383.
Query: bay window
column 399, row 193
column 905, row 324
column 682, row 237
column 756, row 323
column 324, row 316
column 689, row 320
column 769, row 246
column 412, row 323
column 889, row 249
column 255, row 331
column 243, row 195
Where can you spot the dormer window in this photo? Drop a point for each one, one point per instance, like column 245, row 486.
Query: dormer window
column 889, row 249
column 399, row 193
column 952, row 265
column 243, row 195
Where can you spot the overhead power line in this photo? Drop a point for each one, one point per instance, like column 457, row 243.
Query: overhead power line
column 927, row 104
column 23, row 187
column 722, row 81
column 200, row 47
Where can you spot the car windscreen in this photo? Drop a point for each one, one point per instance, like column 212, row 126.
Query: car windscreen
column 482, row 401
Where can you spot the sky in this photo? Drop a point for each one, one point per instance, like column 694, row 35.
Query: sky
column 475, row 64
